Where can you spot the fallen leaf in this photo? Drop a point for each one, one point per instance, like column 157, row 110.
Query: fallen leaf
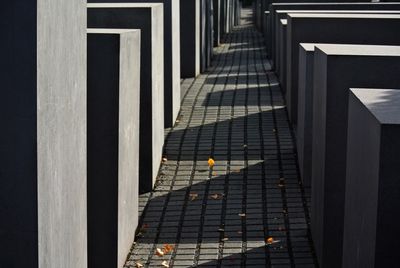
column 193, row 196
column 214, row 173
column 211, row 162
column 270, row 240
column 138, row 265
column 164, row 159
column 280, row 185
column 165, row 264
column 221, row 230
column 167, row 248
column 159, row 252
column 225, row 239
column 244, row 145
column 242, row 214
column 216, row 196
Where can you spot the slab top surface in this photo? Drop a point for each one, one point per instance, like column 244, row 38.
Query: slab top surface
column 284, row 22
column 359, row 50
column 342, row 16
column 384, row 104
column 123, row 5
column 340, row 11
column 110, row 31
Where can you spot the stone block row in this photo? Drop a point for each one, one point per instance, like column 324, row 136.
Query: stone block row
column 338, row 66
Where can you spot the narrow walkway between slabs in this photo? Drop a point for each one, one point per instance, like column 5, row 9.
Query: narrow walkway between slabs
column 249, row 209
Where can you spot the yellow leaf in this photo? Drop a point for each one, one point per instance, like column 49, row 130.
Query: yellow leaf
column 270, row 240
column 211, row 162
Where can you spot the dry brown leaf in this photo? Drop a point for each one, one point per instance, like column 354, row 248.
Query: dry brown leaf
column 165, row 264
column 270, row 240
column 159, row 252
column 193, row 196
column 216, row 196
column 138, row 265
column 167, row 248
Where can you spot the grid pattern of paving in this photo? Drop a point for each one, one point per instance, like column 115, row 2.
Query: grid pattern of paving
column 223, row 216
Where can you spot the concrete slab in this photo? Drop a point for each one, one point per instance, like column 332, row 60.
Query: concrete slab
column 190, row 38
column 172, row 56
column 217, row 22
column 372, row 185
column 336, row 69
column 149, row 19
column 43, row 137
column 333, row 28
column 113, row 144
column 281, row 67
column 273, row 7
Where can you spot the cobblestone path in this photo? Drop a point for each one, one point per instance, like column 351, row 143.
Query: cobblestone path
column 223, row 216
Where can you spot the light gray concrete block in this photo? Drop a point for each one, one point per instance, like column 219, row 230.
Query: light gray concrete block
column 333, row 28
column 43, row 137
column 190, row 38
column 372, row 186
column 113, row 144
column 318, row 5
column 281, row 67
column 336, row 69
column 206, row 36
column 148, row 17
column 172, row 56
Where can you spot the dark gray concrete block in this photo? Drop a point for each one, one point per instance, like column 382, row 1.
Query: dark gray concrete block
column 217, row 22
column 43, row 136
column 305, row 105
column 318, row 5
column 336, row 69
column 282, row 14
column 190, row 38
column 333, row 28
column 113, row 144
column 172, row 56
column 280, row 68
column 372, row 186
column 149, row 19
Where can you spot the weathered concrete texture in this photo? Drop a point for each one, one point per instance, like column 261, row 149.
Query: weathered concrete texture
column 273, row 21
column 217, row 22
column 172, row 55
column 333, row 28
column 372, row 185
column 43, row 137
column 190, row 38
column 113, row 144
column 336, row 69
column 281, row 67
column 206, row 36
column 149, row 19
column 304, row 113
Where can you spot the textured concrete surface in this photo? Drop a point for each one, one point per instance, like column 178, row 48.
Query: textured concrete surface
column 172, row 55
column 217, row 22
column 148, row 17
column 281, row 67
column 113, row 144
column 43, row 148
column 333, row 28
column 336, row 69
column 273, row 22
column 190, row 38
column 305, row 111
column 221, row 217
column 372, row 186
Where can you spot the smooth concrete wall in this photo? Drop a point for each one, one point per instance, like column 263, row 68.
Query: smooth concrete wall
column 43, row 151
column 304, row 113
column 206, row 36
column 282, row 14
column 333, row 28
column 372, row 187
column 172, row 56
column 272, row 21
column 149, row 19
column 217, row 22
column 336, row 69
column 190, row 38
column 113, row 144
